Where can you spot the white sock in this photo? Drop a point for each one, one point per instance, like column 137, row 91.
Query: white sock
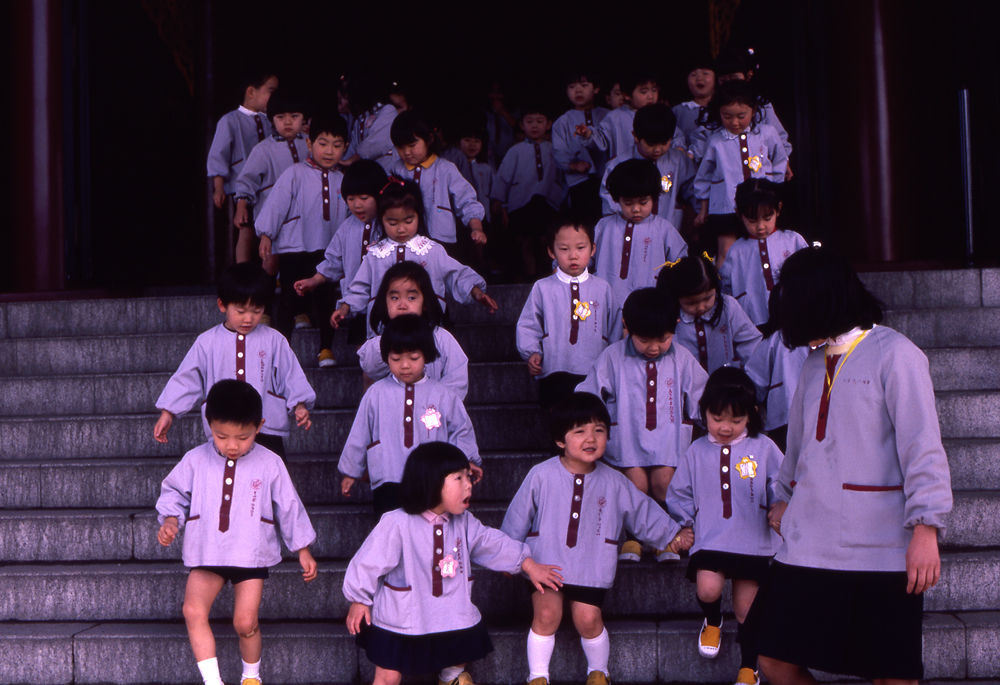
column 449, row 673
column 210, row 671
column 597, row 649
column 251, row 670
column 539, row 654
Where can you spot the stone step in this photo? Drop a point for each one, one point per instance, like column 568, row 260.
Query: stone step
column 74, row 437
column 935, row 288
column 103, row 534
column 932, row 328
column 132, row 393
column 153, row 591
column 955, row 647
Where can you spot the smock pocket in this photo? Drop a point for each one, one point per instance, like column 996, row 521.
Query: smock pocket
column 275, row 412
column 872, row 516
column 393, row 605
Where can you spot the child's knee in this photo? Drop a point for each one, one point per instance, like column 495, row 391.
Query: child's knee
column 587, row 620
column 194, row 612
column 246, row 626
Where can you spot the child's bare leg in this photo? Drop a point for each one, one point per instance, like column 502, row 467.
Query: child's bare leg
column 246, row 606
column 202, row 589
column 384, row 676
column 659, row 481
column 245, row 244
column 725, row 242
column 547, row 614
column 593, row 637
column 638, row 476
column 271, row 265
column 784, row 673
column 709, row 586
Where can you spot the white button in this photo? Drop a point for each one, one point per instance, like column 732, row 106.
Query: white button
column 725, row 486
column 575, row 317
column 239, row 355
column 743, row 136
column 408, row 419
column 239, row 372
column 229, row 481
column 725, row 450
column 437, row 531
column 766, row 265
column 364, row 242
column 227, row 497
column 652, row 399
column 409, row 402
column 628, row 238
column 744, row 149
column 579, row 481
column 576, row 515
column 576, row 498
column 725, row 469
column 652, row 382
column 326, row 200
column 745, row 161
column 239, row 337
column 230, row 462
column 437, row 551
column 701, row 334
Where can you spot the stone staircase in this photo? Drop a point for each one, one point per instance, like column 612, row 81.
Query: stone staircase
column 88, row 596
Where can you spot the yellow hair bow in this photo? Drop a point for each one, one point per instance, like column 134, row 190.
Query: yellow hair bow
column 669, row 265
column 706, row 256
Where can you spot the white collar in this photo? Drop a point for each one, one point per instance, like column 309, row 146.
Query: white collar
column 839, row 344
column 706, row 317
column 418, row 244
column 566, row 278
column 249, row 112
column 691, row 104
column 735, row 441
column 435, row 519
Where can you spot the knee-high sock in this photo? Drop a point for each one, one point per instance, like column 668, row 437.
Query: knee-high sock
column 747, row 637
column 597, row 649
column 712, row 611
column 539, row 654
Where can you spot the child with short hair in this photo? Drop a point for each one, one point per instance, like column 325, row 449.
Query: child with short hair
column 386, row 426
column 528, row 188
column 614, row 134
column 582, row 167
column 410, row 595
column 447, row 195
column 741, row 67
column 634, row 244
column 298, row 221
column 568, row 318
column 401, row 213
column 228, row 494
column 470, row 158
column 374, row 113
column 653, row 130
column 753, row 266
column 236, row 134
column 701, row 85
column 713, row 327
column 269, row 158
column 406, row 289
column 651, row 388
column 359, row 231
column 732, row 539
column 571, row 510
column 739, row 148
column 240, row 348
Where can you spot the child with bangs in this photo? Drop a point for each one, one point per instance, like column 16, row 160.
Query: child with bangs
column 613, row 135
column 732, row 539
column 582, row 167
column 400, row 411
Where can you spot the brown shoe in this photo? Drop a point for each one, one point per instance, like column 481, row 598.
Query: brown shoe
column 597, row 678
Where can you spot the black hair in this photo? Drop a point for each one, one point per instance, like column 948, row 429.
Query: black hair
column 758, row 196
column 364, row 91
column 733, row 92
column 330, row 123
column 822, row 297
column 410, row 125
column 699, row 61
column 233, row 401
column 534, row 106
column 650, row 313
column 581, row 74
column 654, row 124
column 253, row 77
column 635, row 79
column 408, row 333
column 737, row 62
column 246, row 282
column 730, row 388
column 411, row 271
column 576, row 409
column 364, row 177
column 691, row 276
column 399, row 193
column 468, row 127
column 563, row 220
column 280, row 103
column 634, row 178
column 423, row 475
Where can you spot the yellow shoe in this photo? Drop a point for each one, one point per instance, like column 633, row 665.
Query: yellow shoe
column 709, row 640
column 747, row 676
column 631, row 551
column 250, row 681
column 667, row 555
column 538, row 681
column 326, row 358
column 463, row 679
column 597, row 678
column 302, row 321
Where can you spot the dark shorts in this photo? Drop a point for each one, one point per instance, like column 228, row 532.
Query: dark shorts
column 593, row 596
column 860, row 623
column 731, row 565
column 357, row 330
column 420, row 654
column 235, row 574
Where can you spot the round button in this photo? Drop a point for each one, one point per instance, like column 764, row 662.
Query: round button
column 239, row 372
column 227, row 498
column 725, row 450
column 239, row 355
column 725, row 469
column 230, row 463
column 437, row 551
column 725, row 486
column 576, row 515
column 576, row 498
column 409, row 402
column 652, row 382
column 579, row 481
column 766, row 265
column 745, row 161
column 701, row 334
column 575, row 317
column 409, row 418
column 229, row 481
column 437, row 532
column 628, row 238
column 326, row 200
column 744, row 149
column 743, row 136
column 239, row 337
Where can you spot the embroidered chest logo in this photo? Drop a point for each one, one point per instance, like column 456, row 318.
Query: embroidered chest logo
column 602, row 502
column 646, row 242
column 256, row 483
column 666, row 183
column 431, row 418
column 747, row 467
column 755, row 163
column 262, row 356
column 582, row 309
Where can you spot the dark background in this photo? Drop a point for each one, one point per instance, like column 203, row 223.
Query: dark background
column 144, row 82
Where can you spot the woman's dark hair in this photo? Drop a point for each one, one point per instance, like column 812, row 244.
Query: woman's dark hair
column 363, row 177
column 693, row 276
column 731, row 388
column 411, row 271
column 408, row 333
column 246, row 282
column 423, row 475
column 650, row 313
column 410, row 125
column 399, row 193
column 822, row 297
column 576, row 409
column 233, row 401
column 758, row 196
column 728, row 93
column 635, row 178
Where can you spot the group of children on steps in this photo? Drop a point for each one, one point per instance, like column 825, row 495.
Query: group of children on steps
column 678, row 447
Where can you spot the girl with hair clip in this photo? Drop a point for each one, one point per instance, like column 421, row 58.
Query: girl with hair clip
column 410, row 583
column 401, row 213
column 732, row 539
column 406, row 289
column 712, row 326
column 739, row 147
column 862, row 493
